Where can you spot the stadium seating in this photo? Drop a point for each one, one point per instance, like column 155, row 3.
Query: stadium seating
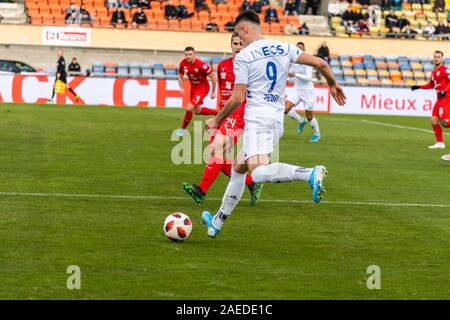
column 53, row 12
column 418, row 14
column 357, row 70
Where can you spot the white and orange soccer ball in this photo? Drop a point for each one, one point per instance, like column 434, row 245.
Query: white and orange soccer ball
column 177, row 227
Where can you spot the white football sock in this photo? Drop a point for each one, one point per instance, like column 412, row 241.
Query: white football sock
column 280, row 172
column 315, row 125
column 230, row 199
column 294, row 115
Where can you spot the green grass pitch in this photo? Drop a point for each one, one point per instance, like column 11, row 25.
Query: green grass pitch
column 276, row 250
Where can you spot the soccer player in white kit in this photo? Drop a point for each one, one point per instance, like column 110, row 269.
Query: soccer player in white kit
column 303, row 90
column 261, row 71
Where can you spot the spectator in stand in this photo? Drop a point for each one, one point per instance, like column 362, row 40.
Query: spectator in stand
column 403, row 22
column 216, row 2
column 201, row 5
column 313, row 4
column 303, row 30
column 358, row 16
column 133, row 3
column 439, row 6
column 125, row 4
column 212, row 26
column 289, row 8
column 257, row 6
column 144, row 4
column 170, row 11
column 343, row 5
column 355, row 5
column 183, row 11
column 352, row 28
column 396, row 4
column 139, row 18
column 74, row 67
column 408, row 33
column 442, row 29
column 386, row 4
column 118, row 17
column 229, row 26
column 348, row 17
column 290, row 28
column 376, row 4
column 112, row 4
column 362, row 28
column 364, row 3
column 323, row 52
column 371, row 17
column 430, row 30
column 85, row 16
column 271, row 15
column 74, row 19
column 245, row 6
column 391, row 21
column 71, row 8
column 333, row 8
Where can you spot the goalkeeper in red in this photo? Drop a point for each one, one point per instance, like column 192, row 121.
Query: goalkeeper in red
column 198, row 73
column 440, row 81
column 225, row 137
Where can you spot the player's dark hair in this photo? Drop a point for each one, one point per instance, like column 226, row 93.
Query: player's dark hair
column 189, row 49
column 248, row 15
column 234, row 35
column 439, row 51
column 300, row 43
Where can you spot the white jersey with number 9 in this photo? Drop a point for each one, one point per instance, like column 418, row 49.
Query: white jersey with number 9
column 263, row 66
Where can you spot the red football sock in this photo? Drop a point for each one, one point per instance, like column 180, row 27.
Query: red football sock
column 208, row 112
column 212, row 170
column 226, row 169
column 187, row 119
column 438, row 133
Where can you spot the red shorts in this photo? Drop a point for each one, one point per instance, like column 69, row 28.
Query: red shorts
column 197, row 95
column 441, row 109
column 231, row 127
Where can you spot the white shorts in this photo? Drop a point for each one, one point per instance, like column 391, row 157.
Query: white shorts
column 261, row 136
column 297, row 96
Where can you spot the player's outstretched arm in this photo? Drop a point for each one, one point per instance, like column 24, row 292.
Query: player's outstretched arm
column 321, row 65
column 232, row 104
column 213, row 78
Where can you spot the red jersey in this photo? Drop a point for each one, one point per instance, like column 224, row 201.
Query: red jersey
column 197, row 72
column 440, row 80
column 225, row 76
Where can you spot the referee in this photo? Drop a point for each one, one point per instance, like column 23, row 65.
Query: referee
column 62, row 76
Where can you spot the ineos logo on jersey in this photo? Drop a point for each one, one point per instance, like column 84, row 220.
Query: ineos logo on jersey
column 268, row 51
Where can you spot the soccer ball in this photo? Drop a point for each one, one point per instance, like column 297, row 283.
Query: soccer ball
column 177, row 227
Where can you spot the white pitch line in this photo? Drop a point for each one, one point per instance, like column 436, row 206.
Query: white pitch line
column 143, row 197
column 400, row 126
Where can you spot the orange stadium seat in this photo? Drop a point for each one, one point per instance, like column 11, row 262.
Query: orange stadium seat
column 197, row 25
column 48, row 20
column 265, row 28
column 173, row 24
column 185, row 24
column 203, row 16
column 162, row 24
column 225, row 17
column 222, row 7
column 158, row 14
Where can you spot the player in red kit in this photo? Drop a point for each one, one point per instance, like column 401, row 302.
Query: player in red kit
column 440, row 81
column 225, row 137
column 198, row 73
